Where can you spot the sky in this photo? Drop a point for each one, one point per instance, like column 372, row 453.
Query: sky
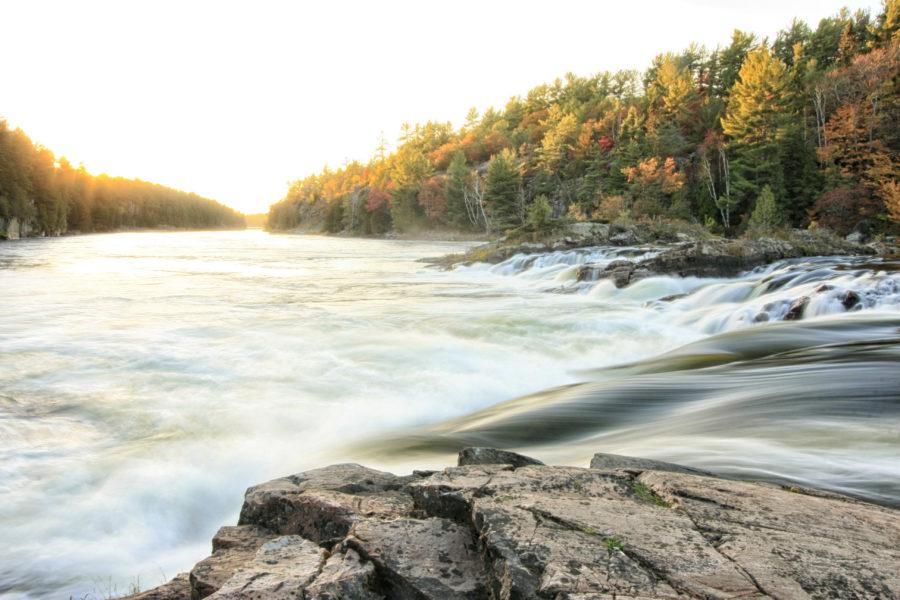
column 233, row 100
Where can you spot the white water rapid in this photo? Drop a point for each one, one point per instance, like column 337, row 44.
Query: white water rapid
column 147, row 379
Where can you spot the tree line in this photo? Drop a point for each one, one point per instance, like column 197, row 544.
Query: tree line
column 797, row 131
column 40, row 195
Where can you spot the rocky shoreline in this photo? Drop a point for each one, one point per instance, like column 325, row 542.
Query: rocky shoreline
column 684, row 252
column 501, row 525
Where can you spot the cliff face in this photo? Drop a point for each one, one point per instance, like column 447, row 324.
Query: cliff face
column 504, row 526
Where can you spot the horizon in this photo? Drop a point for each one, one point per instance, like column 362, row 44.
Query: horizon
column 232, row 109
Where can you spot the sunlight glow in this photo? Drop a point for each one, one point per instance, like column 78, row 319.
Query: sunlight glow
column 232, row 101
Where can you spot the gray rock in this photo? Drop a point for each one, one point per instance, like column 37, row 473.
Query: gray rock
column 281, row 570
column 589, row 272
column 488, row 456
column 727, row 258
column 625, row 238
column 798, row 307
column 849, row 299
column 625, row 528
column 179, row 588
column 323, row 504
column 608, row 462
column 233, row 547
column 345, row 575
column 621, row 272
column 422, row 558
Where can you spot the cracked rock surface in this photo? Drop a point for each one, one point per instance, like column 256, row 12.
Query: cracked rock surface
column 625, row 528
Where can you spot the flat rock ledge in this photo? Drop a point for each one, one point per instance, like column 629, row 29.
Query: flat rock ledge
column 501, row 525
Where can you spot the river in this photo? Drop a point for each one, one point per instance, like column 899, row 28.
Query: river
column 147, row 379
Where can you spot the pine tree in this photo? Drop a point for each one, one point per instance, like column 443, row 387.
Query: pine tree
column 766, row 216
column 763, row 103
column 502, row 191
column 458, row 175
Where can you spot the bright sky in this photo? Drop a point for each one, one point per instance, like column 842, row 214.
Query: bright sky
column 232, row 100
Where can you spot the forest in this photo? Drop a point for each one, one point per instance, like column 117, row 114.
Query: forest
column 40, row 195
column 799, row 131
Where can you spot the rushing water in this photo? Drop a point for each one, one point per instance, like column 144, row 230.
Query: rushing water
column 146, row 379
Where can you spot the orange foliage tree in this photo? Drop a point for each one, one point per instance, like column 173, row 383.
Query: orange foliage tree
column 652, row 184
column 431, row 197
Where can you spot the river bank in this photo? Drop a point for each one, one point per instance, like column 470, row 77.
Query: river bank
column 501, row 525
column 16, row 233
column 687, row 246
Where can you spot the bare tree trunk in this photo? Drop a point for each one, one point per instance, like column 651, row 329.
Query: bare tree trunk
column 725, row 203
column 474, row 201
column 819, row 99
column 710, row 185
column 872, row 120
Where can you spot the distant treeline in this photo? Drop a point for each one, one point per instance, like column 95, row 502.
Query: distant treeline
column 42, row 196
column 802, row 130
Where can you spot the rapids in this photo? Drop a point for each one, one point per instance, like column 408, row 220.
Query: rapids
column 146, row 379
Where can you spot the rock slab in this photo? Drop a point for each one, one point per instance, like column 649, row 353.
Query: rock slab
column 500, row 525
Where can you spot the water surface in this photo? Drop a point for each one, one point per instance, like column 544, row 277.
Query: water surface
column 147, row 379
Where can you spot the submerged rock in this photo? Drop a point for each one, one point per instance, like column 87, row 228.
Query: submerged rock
column 501, row 525
column 797, row 308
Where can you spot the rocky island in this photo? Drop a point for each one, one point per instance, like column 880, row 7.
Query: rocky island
column 502, row 525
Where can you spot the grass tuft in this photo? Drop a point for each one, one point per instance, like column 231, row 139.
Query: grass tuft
column 646, row 494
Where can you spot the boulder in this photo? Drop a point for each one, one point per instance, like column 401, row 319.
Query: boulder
column 849, row 299
column 621, row 272
column 489, row 456
column 501, row 525
column 797, row 308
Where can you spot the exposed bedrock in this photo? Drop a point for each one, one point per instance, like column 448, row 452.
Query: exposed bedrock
column 505, row 526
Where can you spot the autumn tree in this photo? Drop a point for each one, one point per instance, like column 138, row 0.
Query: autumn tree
column 377, row 215
column 654, row 184
column 760, row 112
column 890, row 195
column 672, row 95
column 410, row 169
column 844, row 209
column 852, row 131
column 432, row 200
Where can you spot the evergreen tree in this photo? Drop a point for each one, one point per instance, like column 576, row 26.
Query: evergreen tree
column 502, row 191
column 762, row 104
column 766, row 217
column 458, row 176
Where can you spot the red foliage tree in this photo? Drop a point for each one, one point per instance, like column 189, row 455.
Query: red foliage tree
column 377, row 198
column 495, row 142
column 431, row 197
column 843, row 208
column 473, row 149
column 440, row 157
